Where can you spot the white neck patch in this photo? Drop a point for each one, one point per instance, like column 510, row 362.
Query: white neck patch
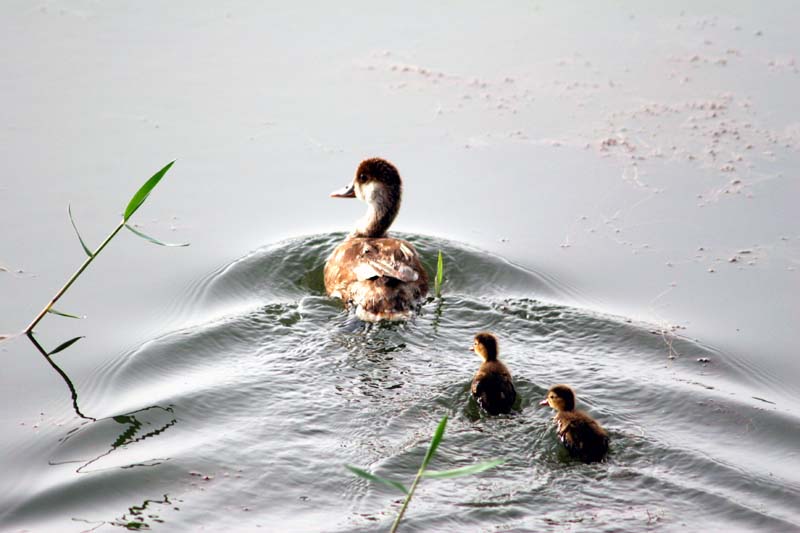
column 367, row 193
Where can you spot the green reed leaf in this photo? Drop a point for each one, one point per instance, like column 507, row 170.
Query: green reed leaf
column 435, row 441
column 78, row 233
column 64, row 345
column 61, row 313
column 154, row 240
column 372, row 477
column 144, row 191
column 464, row 470
column 439, row 275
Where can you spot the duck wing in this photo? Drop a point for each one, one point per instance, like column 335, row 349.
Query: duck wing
column 374, row 268
column 382, row 277
column 359, row 259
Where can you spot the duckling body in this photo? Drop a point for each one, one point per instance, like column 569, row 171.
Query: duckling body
column 380, row 276
column 492, row 386
column 580, row 434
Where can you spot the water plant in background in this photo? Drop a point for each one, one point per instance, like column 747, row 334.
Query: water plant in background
column 133, row 205
column 423, row 472
column 437, row 282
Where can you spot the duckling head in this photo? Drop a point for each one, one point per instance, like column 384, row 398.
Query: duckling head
column 377, row 183
column 560, row 398
column 485, row 345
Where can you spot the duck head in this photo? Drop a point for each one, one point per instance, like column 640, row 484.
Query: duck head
column 485, row 345
column 377, row 183
column 560, row 398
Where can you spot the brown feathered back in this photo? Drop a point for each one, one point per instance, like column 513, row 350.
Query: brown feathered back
column 582, row 435
column 382, row 278
column 493, row 388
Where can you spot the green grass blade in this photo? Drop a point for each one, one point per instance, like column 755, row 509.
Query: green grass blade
column 153, row 240
column 435, row 441
column 78, row 233
column 465, row 470
column 439, row 275
column 64, row 345
column 377, row 479
column 61, row 313
column 145, row 190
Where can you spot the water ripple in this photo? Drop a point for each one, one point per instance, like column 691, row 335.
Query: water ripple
column 274, row 387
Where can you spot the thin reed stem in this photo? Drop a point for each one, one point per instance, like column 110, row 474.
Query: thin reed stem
column 74, row 277
column 408, row 499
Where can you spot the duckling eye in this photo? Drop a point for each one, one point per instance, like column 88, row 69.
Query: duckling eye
column 362, row 178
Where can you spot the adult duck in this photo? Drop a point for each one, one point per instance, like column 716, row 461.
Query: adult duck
column 581, row 435
column 380, row 276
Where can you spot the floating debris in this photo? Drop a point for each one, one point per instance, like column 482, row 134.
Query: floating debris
column 763, row 400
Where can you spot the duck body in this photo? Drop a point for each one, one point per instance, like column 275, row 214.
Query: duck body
column 492, row 386
column 580, row 434
column 493, row 389
column 381, row 277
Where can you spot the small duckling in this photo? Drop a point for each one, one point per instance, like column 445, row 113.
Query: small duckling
column 380, row 276
column 492, row 386
column 580, row 434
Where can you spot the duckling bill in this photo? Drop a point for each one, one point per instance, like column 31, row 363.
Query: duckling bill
column 381, row 277
column 580, row 434
column 492, row 386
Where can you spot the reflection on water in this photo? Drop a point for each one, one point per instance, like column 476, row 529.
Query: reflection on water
column 136, row 427
column 139, row 517
column 125, row 429
column 279, row 387
column 72, row 390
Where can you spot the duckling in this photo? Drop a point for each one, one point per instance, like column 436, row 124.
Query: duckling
column 380, row 276
column 580, row 434
column 492, row 386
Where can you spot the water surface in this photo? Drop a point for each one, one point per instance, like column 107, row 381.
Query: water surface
column 614, row 190
column 246, row 419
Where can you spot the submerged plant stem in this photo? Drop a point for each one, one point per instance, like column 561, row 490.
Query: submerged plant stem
column 75, row 276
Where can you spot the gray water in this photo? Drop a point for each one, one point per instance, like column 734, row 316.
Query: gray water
column 614, row 192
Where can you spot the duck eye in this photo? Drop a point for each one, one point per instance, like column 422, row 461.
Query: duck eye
column 362, row 178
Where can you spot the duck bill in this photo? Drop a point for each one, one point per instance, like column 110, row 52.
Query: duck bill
column 543, row 402
column 345, row 192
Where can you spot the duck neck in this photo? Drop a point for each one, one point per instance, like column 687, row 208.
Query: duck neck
column 380, row 215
